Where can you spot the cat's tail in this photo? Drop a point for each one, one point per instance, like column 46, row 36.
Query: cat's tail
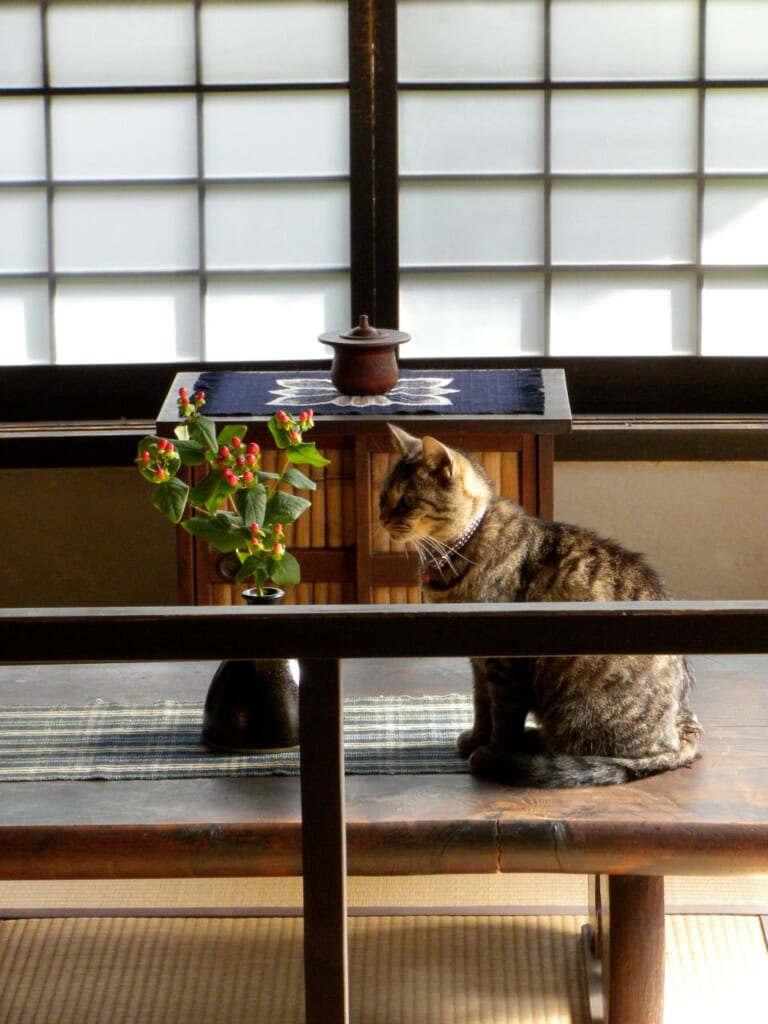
column 564, row 771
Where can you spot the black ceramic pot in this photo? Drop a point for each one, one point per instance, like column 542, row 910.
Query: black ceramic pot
column 252, row 707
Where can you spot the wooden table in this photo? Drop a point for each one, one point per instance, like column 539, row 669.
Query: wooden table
column 710, row 819
column 344, row 555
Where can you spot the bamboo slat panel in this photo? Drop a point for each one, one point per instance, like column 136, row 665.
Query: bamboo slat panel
column 381, row 463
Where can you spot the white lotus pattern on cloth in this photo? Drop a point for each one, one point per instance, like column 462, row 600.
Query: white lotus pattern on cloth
column 315, row 392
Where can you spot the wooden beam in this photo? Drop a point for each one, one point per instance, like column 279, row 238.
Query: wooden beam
column 172, row 633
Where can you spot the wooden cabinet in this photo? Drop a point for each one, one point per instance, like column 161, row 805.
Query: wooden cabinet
column 345, row 556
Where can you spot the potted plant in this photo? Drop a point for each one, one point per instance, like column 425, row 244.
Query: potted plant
column 239, row 508
column 236, row 507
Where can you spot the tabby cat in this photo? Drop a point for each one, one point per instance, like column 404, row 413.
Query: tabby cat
column 601, row 719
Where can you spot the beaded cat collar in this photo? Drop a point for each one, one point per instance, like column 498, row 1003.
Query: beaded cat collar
column 438, row 564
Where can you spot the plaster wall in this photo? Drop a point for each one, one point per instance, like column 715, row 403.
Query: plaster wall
column 703, row 525
column 74, row 537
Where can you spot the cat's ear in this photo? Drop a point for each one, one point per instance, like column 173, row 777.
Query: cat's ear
column 404, row 443
column 438, row 458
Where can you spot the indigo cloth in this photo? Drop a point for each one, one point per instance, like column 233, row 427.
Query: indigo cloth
column 100, row 740
column 263, row 392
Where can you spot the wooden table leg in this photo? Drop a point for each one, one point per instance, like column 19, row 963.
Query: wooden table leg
column 627, row 938
column 324, row 849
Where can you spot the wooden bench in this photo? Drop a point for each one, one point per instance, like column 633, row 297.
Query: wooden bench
column 710, row 819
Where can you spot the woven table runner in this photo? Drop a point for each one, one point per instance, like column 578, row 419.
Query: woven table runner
column 99, row 740
column 263, row 392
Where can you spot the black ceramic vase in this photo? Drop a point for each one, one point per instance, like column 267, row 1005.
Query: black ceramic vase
column 252, row 707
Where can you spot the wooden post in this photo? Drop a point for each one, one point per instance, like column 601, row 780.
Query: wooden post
column 324, row 848
column 633, row 948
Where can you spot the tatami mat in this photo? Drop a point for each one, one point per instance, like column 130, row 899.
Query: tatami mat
column 415, row 970
column 404, row 970
column 453, row 949
column 717, row 970
column 516, row 893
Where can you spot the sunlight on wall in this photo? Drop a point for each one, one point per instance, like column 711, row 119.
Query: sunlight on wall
column 462, row 314
column 735, row 224
column 24, row 328
column 13, row 330
column 263, row 320
column 131, row 329
column 646, row 318
column 735, row 313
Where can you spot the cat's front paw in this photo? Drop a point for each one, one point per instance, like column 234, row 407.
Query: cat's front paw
column 468, row 742
column 484, row 761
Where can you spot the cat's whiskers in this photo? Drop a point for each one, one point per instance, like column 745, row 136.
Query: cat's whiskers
column 437, row 555
column 436, row 552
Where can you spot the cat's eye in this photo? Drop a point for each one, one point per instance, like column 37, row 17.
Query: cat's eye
column 409, row 500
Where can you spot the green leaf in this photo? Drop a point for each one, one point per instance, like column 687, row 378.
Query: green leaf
column 252, row 504
column 203, row 430
column 256, row 566
column 285, row 571
column 230, row 431
column 170, row 498
column 146, row 443
column 284, row 508
column 190, row 452
column 212, row 490
column 306, row 454
column 278, row 434
column 231, row 518
column 217, row 531
column 296, row 479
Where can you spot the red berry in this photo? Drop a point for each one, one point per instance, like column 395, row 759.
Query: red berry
column 145, row 456
column 253, row 448
column 223, row 452
column 248, row 476
column 282, row 416
column 183, row 393
column 303, row 417
column 251, row 460
column 240, row 460
column 162, row 444
column 236, row 442
column 294, row 435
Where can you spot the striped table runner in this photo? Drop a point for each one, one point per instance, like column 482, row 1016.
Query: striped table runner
column 100, row 740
